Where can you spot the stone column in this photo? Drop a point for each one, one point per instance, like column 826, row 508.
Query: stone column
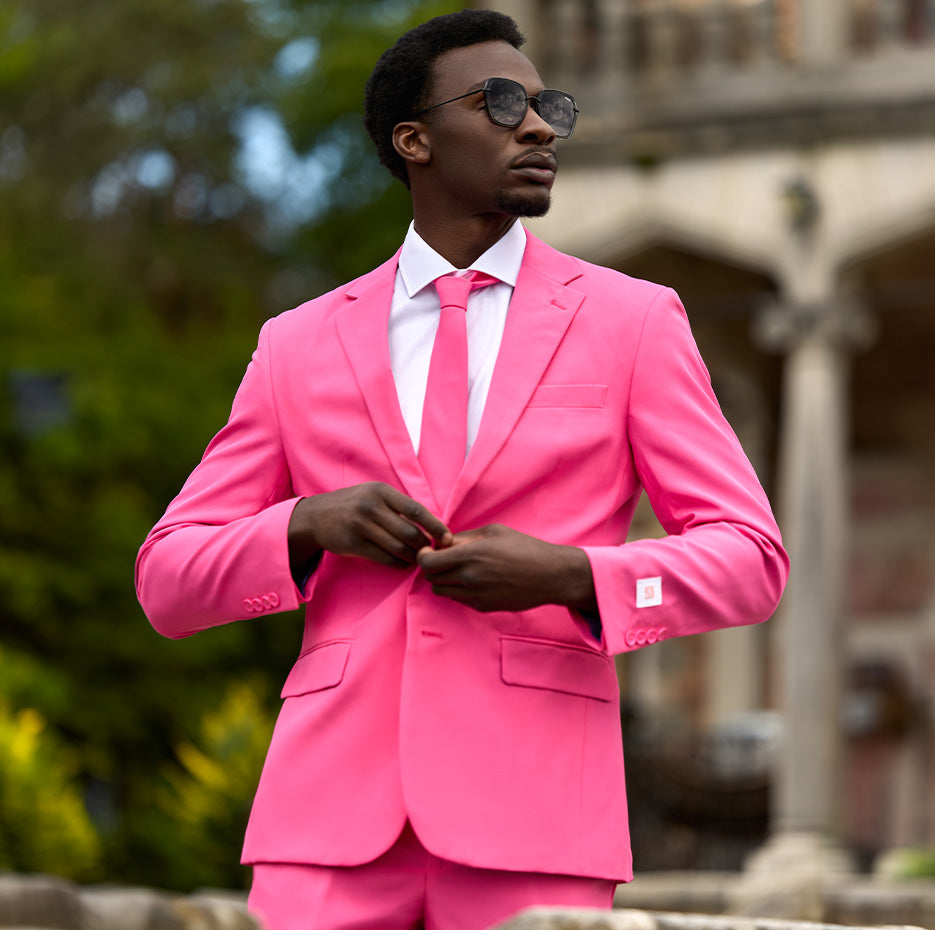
column 734, row 659
column 813, row 476
column 813, row 514
column 733, row 675
column 824, row 31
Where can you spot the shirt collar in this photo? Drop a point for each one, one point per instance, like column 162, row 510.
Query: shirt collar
column 420, row 264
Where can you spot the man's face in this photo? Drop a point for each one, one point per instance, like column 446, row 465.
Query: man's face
column 479, row 167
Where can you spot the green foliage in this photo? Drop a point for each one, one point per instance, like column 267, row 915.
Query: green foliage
column 908, row 863
column 206, row 798
column 43, row 822
column 324, row 113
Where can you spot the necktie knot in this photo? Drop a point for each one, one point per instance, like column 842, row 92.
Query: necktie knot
column 453, row 290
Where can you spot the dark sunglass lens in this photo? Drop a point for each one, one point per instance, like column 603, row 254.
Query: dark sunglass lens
column 558, row 110
column 506, row 102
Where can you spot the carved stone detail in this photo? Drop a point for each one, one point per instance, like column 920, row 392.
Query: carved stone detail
column 841, row 322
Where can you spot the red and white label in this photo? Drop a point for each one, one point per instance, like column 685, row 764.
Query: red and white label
column 648, row 592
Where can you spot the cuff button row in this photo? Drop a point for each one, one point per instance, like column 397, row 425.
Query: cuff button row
column 646, row 637
column 255, row 605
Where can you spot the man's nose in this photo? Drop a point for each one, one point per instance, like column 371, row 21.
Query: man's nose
column 534, row 127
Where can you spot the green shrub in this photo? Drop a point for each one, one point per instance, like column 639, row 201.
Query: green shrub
column 208, row 796
column 44, row 826
column 907, row 862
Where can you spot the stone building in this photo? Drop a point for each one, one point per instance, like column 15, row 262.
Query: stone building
column 774, row 161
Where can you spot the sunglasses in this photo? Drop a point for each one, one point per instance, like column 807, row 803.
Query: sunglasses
column 507, row 103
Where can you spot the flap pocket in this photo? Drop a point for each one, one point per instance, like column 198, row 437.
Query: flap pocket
column 319, row 668
column 569, row 395
column 554, row 666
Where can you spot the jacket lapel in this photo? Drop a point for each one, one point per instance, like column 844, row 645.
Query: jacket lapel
column 362, row 328
column 541, row 311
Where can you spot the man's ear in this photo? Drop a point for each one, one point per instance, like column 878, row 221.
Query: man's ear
column 412, row 143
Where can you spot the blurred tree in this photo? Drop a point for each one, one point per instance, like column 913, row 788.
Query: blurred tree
column 153, row 210
column 324, row 114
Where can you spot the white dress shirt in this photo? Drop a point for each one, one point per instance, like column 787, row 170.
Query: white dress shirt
column 414, row 318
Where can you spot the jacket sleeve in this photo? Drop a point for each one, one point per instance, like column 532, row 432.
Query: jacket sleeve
column 721, row 563
column 220, row 551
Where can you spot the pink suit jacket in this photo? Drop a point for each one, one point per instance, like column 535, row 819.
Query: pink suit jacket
column 497, row 735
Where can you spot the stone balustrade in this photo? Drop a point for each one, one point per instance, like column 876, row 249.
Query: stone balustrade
column 664, row 39
column 640, row 66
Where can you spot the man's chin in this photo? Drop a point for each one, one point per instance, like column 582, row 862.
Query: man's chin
column 534, row 203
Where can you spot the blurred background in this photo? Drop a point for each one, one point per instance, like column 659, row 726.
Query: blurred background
column 173, row 173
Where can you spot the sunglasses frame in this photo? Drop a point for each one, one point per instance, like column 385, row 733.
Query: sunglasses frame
column 485, row 90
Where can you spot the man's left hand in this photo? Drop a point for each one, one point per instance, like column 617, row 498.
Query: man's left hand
column 498, row 568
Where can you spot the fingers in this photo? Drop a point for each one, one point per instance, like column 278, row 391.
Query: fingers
column 437, row 562
column 408, row 525
column 375, row 521
column 450, row 575
column 421, row 517
column 490, row 568
column 455, row 572
column 378, row 545
column 454, row 555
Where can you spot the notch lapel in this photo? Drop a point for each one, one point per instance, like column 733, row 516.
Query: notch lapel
column 362, row 328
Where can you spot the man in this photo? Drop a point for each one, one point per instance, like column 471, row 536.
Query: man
column 448, row 750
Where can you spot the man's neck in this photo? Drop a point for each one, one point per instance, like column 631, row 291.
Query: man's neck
column 461, row 243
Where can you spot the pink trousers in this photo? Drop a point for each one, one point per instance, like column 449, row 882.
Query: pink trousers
column 407, row 888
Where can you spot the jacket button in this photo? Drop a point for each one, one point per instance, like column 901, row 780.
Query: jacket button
column 248, row 604
column 274, row 599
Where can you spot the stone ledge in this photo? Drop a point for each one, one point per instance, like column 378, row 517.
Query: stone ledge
column 583, row 919
column 878, row 901
column 696, row 892
column 41, row 902
column 846, row 900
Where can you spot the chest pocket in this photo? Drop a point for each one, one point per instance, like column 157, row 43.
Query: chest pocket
column 569, row 395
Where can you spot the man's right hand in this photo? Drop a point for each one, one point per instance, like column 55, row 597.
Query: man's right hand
column 373, row 521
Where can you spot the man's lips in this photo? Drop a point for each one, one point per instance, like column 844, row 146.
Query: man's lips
column 537, row 166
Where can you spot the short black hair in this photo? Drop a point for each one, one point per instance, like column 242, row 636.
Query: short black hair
column 397, row 87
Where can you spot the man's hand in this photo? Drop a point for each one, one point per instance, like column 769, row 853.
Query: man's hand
column 373, row 521
column 498, row 568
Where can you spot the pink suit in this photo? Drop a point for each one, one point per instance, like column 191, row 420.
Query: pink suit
column 497, row 735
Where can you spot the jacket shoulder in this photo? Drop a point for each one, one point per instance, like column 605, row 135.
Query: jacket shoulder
column 592, row 277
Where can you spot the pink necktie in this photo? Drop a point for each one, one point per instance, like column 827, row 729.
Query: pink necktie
column 443, row 439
